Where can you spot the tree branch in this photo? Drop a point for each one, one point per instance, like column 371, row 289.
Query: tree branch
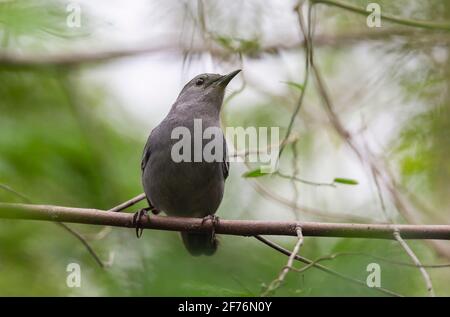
column 128, row 203
column 289, row 266
column 14, row 59
column 416, row 261
column 365, row 155
column 323, row 268
column 73, row 232
column 431, row 25
column 230, row 227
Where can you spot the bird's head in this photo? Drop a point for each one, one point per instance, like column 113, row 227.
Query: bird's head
column 206, row 88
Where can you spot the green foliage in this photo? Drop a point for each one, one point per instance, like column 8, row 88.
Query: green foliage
column 35, row 24
column 346, row 181
column 295, row 85
column 237, row 45
column 58, row 146
column 254, row 173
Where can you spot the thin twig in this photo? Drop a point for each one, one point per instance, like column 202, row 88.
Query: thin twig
column 247, row 152
column 15, row 59
column 73, row 232
column 271, row 195
column 366, row 157
column 128, row 203
column 84, row 242
column 290, row 264
column 323, row 268
column 416, row 261
column 304, row 181
column 304, row 85
column 409, row 22
column 378, row 258
column 397, row 236
column 14, row 192
column 106, row 230
column 295, row 173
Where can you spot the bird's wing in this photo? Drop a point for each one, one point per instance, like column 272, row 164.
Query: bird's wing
column 145, row 154
column 225, row 162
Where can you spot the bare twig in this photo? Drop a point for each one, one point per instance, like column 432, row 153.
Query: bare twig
column 247, row 152
column 128, row 203
column 378, row 258
column 269, row 194
column 304, row 181
column 397, row 236
column 295, row 173
column 304, row 85
column 416, row 261
column 84, row 242
column 15, row 59
column 106, row 230
column 290, row 265
column 16, row 193
column 350, row 279
column 380, row 171
column 73, row 232
column 431, row 25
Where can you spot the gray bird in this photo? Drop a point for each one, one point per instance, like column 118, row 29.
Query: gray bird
column 188, row 188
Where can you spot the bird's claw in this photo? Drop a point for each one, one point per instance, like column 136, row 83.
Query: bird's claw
column 214, row 221
column 137, row 220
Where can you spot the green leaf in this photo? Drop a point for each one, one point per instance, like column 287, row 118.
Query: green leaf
column 294, row 84
column 225, row 42
column 254, row 173
column 249, row 46
column 346, row 181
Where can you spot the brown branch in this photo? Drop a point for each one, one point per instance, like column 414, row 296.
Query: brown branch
column 73, row 232
column 87, row 57
column 233, row 227
column 230, row 227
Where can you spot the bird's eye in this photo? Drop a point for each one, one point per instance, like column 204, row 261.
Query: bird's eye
column 199, row 81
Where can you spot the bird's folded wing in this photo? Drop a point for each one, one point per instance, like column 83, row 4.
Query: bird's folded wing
column 146, row 154
column 225, row 162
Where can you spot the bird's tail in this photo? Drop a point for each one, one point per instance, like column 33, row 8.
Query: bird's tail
column 200, row 243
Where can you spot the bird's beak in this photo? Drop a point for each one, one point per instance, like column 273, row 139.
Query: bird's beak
column 225, row 79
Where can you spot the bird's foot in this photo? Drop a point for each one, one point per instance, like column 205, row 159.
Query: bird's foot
column 215, row 221
column 137, row 220
column 154, row 210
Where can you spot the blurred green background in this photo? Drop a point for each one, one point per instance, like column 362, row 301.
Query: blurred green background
column 72, row 135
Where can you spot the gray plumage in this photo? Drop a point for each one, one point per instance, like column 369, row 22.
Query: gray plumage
column 188, row 189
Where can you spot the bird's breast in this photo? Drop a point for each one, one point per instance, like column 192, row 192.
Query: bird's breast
column 187, row 188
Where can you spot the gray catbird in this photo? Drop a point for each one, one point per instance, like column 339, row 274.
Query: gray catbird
column 192, row 187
